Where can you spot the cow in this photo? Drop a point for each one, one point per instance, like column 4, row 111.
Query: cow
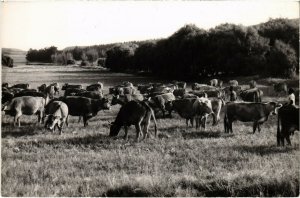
column 25, row 105
column 67, row 86
column 22, row 86
column 184, row 107
column 58, row 113
column 95, row 87
column 252, row 84
column 180, row 84
column 137, row 113
column 5, row 85
column 15, row 90
column 56, row 87
column 6, row 97
column 233, row 83
column 123, row 99
column 251, row 95
column 203, row 87
column 144, row 89
column 280, row 87
column 162, row 102
column 127, row 84
column 30, row 93
column 73, row 91
column 90, row 94
column 216, row 104
column 50, row 90
column 288, row 122
column 202, row 109
column 248, row 112
column 179, row 92
column 85, row 107
column 42, row 88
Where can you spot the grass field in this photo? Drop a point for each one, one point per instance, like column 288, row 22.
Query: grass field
column 180, row 162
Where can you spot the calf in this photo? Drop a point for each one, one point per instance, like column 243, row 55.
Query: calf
column 58, row 113
column 136, row 113
column 248, row 112
column 288, row 122
column 25, row 105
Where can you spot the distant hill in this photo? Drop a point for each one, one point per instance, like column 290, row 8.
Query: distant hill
column 19, row 56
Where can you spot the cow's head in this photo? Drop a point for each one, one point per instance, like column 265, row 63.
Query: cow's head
column 205, row 105
column 274, row 107
column 52, row 122
column 104, row 103
column 114, row 129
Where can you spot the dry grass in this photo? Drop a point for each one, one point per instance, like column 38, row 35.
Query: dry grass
column 180, row 162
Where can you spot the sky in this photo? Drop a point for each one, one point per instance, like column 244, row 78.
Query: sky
column 39, row 24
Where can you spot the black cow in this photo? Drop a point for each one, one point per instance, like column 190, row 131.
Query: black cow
column 90, row 94
column 136, row 113
column 68, row 86
column 30, row 93
column 85, row 107
column 248, row 112
column 21, row 85
column 6, row 97
column 288, row 122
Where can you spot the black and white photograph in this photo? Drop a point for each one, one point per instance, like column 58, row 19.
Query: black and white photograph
column 104, row 98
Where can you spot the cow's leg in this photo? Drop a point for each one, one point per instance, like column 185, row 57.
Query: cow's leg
column 67, row 121
column 126, row 132
column 225, row 125
column 288, row 140
column 187, row 122
column 192, row 122
column 40, row 116
column 197, row 122
column 79, row 119
column 85, row 120
column 138, row 130
column 230, row 125
column 204, row 118
column 254, row 127
column 146, row 128
column 61, row 126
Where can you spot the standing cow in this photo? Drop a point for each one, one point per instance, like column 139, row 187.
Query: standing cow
column 288, row 122
column 26, row 105
column 202, row 109
column 248, row 112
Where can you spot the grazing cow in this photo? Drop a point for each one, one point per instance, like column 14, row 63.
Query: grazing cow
column 73, row 91
column 56, row 87
column 25, row 105
column 162, row 102
column 288, row 122
column 248, row 112
column 90, row 94
column 58, row 113
column 179, row 92
column 184, row 107
column 123, row 99
column 42, row 88
column 216, row 104
column 85, row 107
column 233, row 83
column 280, row 87
column 251, row 95
column 30, row 93
column 202, row 109
column 67, row 86
column 22, row 86
column 6, row 97
column 136, row 113
column 252, row 84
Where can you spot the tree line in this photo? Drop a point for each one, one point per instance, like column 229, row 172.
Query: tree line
column 270, row 49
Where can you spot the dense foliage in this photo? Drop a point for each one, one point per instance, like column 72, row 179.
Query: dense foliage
column 270, row 49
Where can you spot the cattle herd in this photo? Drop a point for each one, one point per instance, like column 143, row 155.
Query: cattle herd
column 144, row 102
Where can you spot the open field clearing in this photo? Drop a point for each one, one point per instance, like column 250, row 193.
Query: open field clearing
column 181, row 161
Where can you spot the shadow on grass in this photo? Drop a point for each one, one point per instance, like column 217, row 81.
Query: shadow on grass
column 26, row 129
column 127, row 191
column 205, row 134
column 264, row 149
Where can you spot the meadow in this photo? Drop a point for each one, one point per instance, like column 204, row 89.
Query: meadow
column 181, row 161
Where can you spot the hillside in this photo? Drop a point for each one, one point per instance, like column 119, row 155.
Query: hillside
column 19, row 56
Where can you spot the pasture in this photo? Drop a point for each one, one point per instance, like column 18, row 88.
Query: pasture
column 181, row 161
